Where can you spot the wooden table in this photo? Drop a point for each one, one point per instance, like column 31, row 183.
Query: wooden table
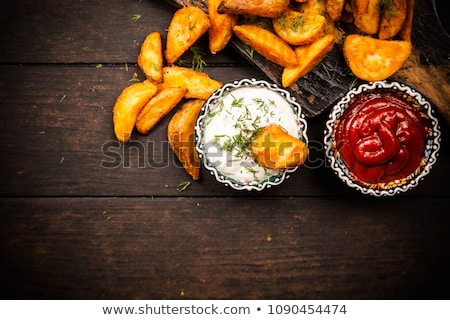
column 84, row 218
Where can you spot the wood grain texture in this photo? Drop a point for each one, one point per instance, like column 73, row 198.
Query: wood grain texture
column 82, row 217
column 125, row 248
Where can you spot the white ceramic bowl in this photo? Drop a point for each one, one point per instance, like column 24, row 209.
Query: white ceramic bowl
column 432, row 139
column 229, row 118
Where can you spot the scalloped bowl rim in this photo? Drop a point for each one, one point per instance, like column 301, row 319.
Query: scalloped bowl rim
column 226, row 88
column 393, row 187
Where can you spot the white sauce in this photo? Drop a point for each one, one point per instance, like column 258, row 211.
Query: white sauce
column 231, row 122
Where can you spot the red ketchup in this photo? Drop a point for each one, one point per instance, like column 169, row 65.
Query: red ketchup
column 380, row 137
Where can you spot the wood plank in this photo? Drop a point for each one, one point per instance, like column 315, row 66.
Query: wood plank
column 133, row 248
column 35, row 31
column 57, row 138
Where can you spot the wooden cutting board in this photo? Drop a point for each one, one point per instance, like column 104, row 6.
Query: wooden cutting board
column 427, row 70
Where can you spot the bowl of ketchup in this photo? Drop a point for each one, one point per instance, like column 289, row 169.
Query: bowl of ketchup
column 382, row 138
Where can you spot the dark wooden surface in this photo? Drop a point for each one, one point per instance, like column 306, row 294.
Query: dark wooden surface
column 75, row 223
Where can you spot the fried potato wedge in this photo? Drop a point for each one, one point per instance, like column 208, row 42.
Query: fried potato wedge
column 275, row 149
column 221, row 27
column 299, row 29
column 309, row 57
column 158, row 107
column 267, row 44
column 128, row 105
column 150, row 58
column 313, row 7
column 373, row 59
column 393, row 15
column 198, row 84
column 334, row 9
column 188, row 24
column 367, row 15
column 405, row 31
column 180, row 134
column 260, row 8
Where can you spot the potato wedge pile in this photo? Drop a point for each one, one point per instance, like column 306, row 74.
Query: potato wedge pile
column 143, row 104
column 302, row 32
column 384, row 42
column 294, row 36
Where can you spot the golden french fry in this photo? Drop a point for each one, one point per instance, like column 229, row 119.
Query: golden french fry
column 198, row 84
column 267, row 44
column 129, row 103
column 297, row 28
column 405, row 31
column 367, row 15
column 260, row 8
column 188, row 24
column 221, row 27
column 150, row 58
column 309, row 57
column 334, row 9
column 393, row 15
column 274, row 148
column 180, row 133
column 158, row 106
column 373, row 59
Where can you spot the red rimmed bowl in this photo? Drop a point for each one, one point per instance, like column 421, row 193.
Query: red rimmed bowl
column 382, row 138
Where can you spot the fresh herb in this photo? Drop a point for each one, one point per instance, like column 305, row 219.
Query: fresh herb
column 192, row 25
column 183, row 185
column 282, row 21
column 250, row 51
column 99, row 65
column 237, row 144
column 237, row 103
column 61, row 161
column 86, row 49
column 261, row 105
column 180, row 63
column 388, row 9
column 353, row 83
column 136, row 17
column 252, row 171
column 135, row 78
column 197, row 60
column 297, row 22
column 326, row 69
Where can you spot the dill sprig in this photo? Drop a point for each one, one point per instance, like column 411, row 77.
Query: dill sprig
column 197, row 60
column 136, row 17
column 250, row 51
column 387, row 8
column 183, row 185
